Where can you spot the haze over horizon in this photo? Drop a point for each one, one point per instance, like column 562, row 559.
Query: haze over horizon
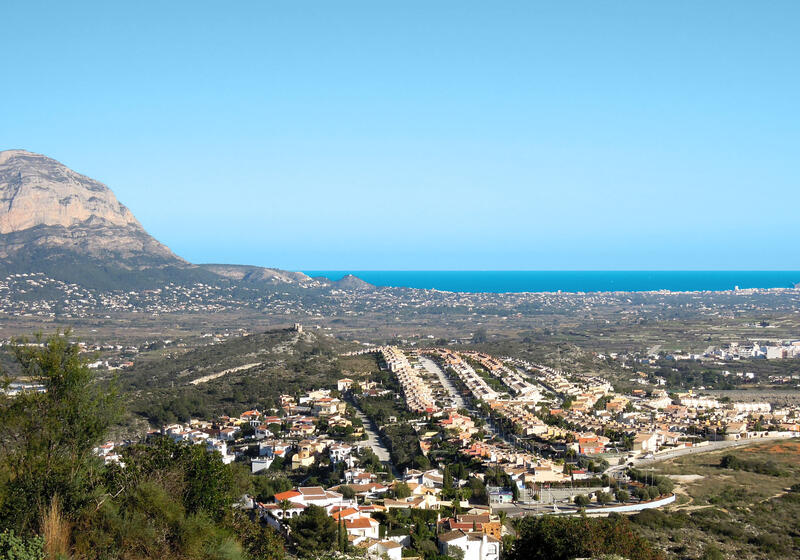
column 410, row 137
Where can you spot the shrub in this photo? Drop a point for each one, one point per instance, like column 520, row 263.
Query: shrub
column 712, row 553
column 563, row 538
column 769, row 543
column 759, row 467
column 15, row 547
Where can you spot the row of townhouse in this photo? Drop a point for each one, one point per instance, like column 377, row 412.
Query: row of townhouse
column 780, row 351
column 418, row 395
column 477, row 386
column 519, row 386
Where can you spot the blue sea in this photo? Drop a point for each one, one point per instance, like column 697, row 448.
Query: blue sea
column 570, row 281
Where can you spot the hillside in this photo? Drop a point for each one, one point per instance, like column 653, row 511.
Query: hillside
column 229, row 377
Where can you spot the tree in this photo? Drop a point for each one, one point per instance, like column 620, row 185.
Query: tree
column 447, row 481
column 261, row 542
column 46, row 439
column 455, row 552
column 622, row 495
column 581, row 500
column 210, row 482
column 422, row 462
column 347, row 492
column 264, row 487
column 480, row 336
column 246, row 431
column 401, row 490
column 478, row 491
column 314, row 531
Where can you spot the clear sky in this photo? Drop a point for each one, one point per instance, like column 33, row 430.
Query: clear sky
column 425, row 135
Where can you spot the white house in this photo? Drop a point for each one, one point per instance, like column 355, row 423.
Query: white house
column 385, row 548
column 361, row 528
column 476, row 546
column 314, row 495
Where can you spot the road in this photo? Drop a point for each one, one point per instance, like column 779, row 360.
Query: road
column 446, row 382
column 373, row 440
column 460, row 402
column 711, row 447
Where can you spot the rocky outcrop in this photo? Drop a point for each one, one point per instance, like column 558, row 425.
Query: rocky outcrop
column 43, row 203
column 350, row 282
column 71, row 227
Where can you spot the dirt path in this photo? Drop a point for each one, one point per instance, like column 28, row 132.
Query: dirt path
column 220, row 374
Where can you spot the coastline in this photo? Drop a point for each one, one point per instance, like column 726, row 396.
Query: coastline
column 575, row 282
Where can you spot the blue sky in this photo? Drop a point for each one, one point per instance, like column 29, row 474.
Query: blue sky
column 425, row 135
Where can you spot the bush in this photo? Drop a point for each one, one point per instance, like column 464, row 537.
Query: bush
column 712, row 553
column 769, row 543
column 564, row 538
column 657, row 519
column 581, row 500
column 14, row 547
column 733, row 462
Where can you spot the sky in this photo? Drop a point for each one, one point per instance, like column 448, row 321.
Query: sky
column 419, row 135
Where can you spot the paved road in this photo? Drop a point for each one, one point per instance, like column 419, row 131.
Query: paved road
column 447, row 383
column 373, row 441
column 713, row 446
column 459, row 400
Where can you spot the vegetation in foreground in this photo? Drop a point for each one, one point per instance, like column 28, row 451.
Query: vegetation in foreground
column 57, row 500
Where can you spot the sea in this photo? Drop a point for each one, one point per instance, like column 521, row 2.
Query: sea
column 499, row 281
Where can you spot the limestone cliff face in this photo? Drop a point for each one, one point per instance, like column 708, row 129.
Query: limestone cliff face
column 71, row 227
column 45, row 204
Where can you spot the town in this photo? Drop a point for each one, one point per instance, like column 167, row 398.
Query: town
column 437, row 449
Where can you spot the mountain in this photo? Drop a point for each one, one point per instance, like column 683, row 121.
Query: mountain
column 72, row 228
column 350, row 282
column 250, row 274
column 45, row 202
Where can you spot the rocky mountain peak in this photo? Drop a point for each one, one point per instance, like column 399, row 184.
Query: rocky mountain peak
column 36, row 190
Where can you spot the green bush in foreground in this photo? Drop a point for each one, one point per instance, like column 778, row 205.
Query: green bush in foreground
column 563, row 538
column 13, row 547
column 170, row 501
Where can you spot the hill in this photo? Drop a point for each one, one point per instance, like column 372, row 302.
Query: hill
column 256, row 274
column 232, row 376
column 350, row 282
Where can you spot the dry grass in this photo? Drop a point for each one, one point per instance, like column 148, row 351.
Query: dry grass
column 702, row 480
column 56, row 531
